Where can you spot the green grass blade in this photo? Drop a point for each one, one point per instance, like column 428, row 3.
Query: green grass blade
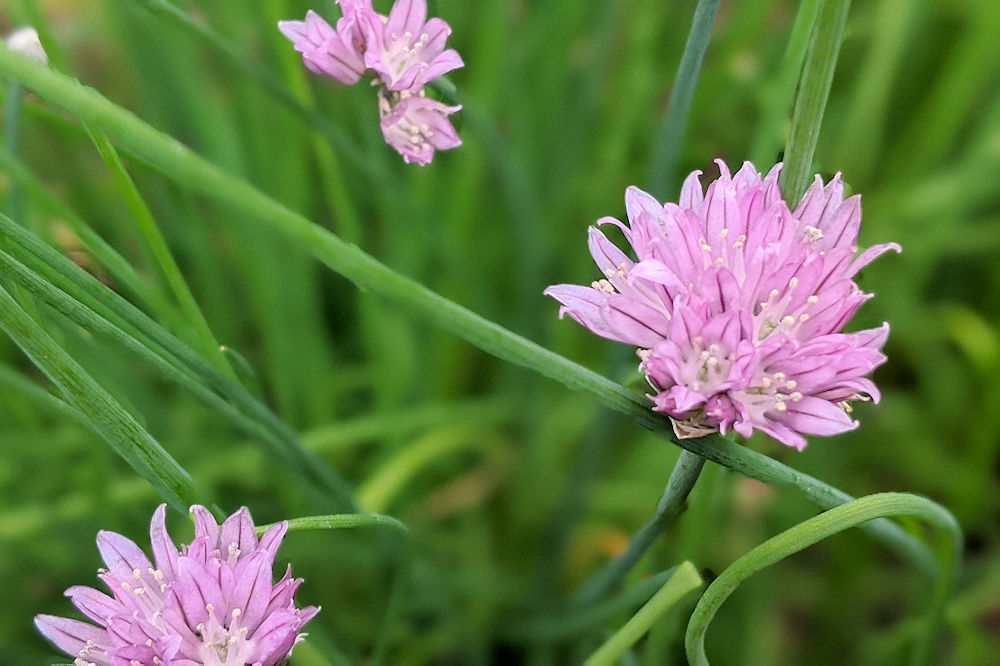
column 821, row 527
column 776, row 98
column 684, row 581
column 670, row 138
column 814, row 90
column 120, row 269
column 91, row 305
column 161, row 253
column 118, row 428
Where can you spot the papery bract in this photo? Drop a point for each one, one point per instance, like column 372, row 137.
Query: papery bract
column 213, row 602
column 737, row 303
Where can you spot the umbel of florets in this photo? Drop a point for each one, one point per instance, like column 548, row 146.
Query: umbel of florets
column 737, row 305
column 211, row 603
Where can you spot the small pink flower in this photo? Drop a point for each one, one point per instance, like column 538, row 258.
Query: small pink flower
column 737, row 304
column 336, row 53
column 403, row 52
column 405, row 49
column 211, row 603
column 416, row 126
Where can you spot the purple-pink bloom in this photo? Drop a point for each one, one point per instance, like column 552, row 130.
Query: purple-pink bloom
column 737, row 304
column 405, row 49
column 403, row 52
column 416, row 126
column 212, row 603
column 336, row 53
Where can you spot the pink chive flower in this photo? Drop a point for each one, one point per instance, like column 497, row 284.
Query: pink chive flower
column 403, row 52
column 737, row 304
column 417, row 126
column 336, row 53
column 212, row 603
column 405, row 49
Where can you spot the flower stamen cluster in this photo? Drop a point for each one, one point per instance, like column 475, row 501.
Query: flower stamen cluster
column 402, row 52
column 737, row 304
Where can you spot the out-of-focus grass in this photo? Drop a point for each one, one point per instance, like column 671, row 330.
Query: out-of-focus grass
column 563, row 100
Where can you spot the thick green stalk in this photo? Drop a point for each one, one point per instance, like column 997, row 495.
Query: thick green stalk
column 814, row 90
column 818, row 528
column 180, row 164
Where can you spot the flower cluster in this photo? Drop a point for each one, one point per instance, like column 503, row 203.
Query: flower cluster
column 403, row 52
column 212, row 603
column 737, row 305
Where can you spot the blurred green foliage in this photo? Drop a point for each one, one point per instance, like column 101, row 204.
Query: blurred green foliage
column 522, row 489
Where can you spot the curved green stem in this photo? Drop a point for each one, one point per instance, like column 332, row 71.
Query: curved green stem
column 687, row 469
column 818, row 528
column 179, row 163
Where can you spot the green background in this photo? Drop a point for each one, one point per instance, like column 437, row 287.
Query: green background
column 515, row 489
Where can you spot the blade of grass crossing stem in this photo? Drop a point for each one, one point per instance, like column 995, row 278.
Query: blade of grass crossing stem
column 670, row 138
column 818, row 528
column 814, row 90
column 684, row 581
column 183, row 166
column 118, row 428
column 92, row 305
column 161, row 253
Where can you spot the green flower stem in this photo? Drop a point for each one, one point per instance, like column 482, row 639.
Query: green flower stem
column 122, row 432
column 161, row 253
column 818, row 528
column 814, row 90
column 670, row 138
column 684, row 581
column 687, row 469
column 184, row 167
